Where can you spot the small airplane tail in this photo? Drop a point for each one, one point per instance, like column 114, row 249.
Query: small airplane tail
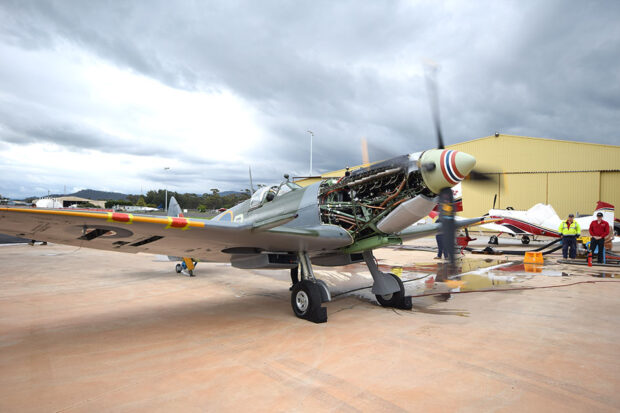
column 174, row 209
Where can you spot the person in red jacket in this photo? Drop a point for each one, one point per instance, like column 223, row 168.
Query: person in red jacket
column 599, row 229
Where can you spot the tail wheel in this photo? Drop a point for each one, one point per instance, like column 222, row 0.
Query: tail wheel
column 306, row 302
column 394, row 299
column 493, row 240
column 178, row 268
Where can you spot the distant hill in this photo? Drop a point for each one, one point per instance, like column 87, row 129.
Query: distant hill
column 90, row 194
column 104, row 195
column 224, row 193
column 99, row 195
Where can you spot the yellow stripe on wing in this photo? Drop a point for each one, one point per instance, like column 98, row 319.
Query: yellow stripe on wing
column 167, row 222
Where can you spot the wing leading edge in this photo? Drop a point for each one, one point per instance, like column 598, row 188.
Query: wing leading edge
column 180, row 236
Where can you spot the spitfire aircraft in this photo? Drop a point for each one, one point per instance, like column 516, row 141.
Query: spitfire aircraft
column 330, row 223
column 333, row 222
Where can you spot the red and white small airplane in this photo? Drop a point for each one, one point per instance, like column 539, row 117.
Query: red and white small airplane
column 542, row 220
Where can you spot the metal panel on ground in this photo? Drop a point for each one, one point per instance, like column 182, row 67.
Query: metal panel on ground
column 610, row 189
column 575, row 192
column 522, row 191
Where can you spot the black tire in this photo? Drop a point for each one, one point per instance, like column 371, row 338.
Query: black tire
column 306, row 302
column 394, row 299
column 525, row 240
column 617, row 230
column 178, row 268
column 493, row 240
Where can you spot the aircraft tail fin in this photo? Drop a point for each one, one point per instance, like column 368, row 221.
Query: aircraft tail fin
column 600, row 205
column 174, row 209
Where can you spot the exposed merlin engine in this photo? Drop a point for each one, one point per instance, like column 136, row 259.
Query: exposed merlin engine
column 362, row 200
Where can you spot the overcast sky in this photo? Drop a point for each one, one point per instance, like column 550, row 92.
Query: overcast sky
column 105, row 94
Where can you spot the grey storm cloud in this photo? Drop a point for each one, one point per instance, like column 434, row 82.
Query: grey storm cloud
column 76, row 136
column 351, row 69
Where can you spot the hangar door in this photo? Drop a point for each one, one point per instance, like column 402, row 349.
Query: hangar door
column 610, row 189
column 522, row 191
column 478, row 197
column 576, row 192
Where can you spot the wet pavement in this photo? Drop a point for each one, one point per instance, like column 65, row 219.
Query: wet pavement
column 85, row 330
column 468, row 274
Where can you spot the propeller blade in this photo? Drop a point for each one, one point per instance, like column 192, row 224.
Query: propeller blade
column 481, row 176
column 446, row 217
column 429, row 166
column 433, row 97
column 365, row 157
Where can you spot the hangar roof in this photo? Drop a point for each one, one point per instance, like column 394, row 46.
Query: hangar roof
column 522, row 154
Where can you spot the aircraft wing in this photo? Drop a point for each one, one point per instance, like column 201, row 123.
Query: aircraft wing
column 423, row 230
column 131, row 233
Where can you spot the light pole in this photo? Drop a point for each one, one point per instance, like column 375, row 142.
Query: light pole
column 311, row 136
column 167, row 168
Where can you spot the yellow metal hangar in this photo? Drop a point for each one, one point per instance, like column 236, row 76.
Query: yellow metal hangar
column 570, row 176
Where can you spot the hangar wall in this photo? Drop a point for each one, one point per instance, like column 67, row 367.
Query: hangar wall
column 571, row 176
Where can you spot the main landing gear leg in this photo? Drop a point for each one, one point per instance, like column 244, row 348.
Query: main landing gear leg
column 388, row 288
column 308, row 294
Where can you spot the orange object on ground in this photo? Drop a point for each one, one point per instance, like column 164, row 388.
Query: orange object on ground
column 533, row 258
column 532, row 267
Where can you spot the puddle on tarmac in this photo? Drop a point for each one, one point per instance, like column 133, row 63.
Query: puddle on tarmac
column 423, row 279
column 434, row 278
column 605, row 275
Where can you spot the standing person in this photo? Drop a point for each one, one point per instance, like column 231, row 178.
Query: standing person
column 440, row 248
column 570, row 230
column 599, row 229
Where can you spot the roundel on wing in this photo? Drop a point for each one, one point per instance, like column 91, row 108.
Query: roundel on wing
column 226, row 216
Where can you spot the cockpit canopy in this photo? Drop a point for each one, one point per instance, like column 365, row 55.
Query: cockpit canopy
column 269, row 193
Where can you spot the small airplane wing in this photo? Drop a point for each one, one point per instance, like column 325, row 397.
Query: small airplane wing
column 127, row 232
column 498, row 228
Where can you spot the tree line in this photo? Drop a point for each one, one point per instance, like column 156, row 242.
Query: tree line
column 206, row 201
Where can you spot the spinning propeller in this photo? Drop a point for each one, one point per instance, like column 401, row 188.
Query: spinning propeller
column 450, row 163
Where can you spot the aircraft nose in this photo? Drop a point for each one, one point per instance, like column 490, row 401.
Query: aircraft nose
column 464, row 163
column 444, row 168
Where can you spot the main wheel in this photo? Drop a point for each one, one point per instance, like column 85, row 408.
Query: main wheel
column 178, row 268
column 525, row 240
column 393, row 299
column 306, row 302
column 493, row 240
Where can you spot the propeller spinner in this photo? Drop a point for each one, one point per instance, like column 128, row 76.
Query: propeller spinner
column 444, row 168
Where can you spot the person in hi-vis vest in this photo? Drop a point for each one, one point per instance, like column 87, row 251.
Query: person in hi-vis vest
column 570, row 230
